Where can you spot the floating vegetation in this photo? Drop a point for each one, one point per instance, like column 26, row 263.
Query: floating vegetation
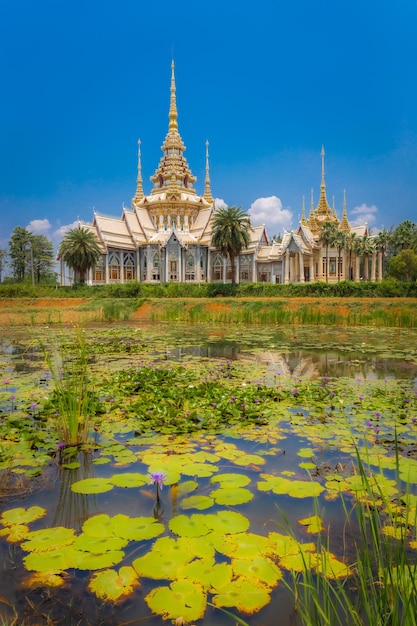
column 210, row 482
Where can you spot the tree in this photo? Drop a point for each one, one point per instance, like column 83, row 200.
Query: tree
column 42, row 258
column 328, row 231
column 80, row 250
column 19, row 252
column 382, row 240
column 230, row 236
column 338, row 241
column 3, row 262
column 404, row 266
column 350, row 246
column 405, row 236
column 363, row 248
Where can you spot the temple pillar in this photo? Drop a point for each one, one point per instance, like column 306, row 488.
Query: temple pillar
column 301, row 261
column 287, row 268
column 311, row 265
column 106, row 269
column 380, row 258
column 373, row 267
column 357, row 268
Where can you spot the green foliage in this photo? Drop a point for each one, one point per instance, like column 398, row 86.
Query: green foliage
column 72, row 401
column 231, row 227
column 403, row 266
column 80, row 250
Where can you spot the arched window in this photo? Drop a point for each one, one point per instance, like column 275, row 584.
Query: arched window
column 129, row 266
column 190, row 266
column 156, row 262
column 114, row 265
column 217, row 266
column 99, row 274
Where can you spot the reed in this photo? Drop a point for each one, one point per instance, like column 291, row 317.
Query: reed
column 72, row 399
column 382, row 587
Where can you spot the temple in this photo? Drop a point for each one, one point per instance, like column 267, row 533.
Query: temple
column 166, row 235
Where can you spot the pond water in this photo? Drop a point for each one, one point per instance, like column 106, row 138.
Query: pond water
column 256, row 472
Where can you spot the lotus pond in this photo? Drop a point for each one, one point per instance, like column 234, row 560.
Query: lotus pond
column 218, row 467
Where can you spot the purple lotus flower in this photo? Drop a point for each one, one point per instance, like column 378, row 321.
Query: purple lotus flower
column 157, row 478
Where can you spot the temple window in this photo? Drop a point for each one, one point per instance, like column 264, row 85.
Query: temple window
column 218, row 267
column 129, row 266
column 332, row 266
column 114, row 265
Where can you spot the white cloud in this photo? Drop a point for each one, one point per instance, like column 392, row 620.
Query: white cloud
column 364, row 213
column 38, row 227
column 269, row 211
column 60, row 232
column 219, row 203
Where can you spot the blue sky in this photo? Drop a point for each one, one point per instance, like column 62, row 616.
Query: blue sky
column 266, row 82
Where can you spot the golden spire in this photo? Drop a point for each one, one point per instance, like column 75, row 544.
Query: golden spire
column 173, row 113
column 344, row 224
column 173, row 173
column 312, row 224
column 139, row 188
column 207, row 190
column 323, row 211
column 303, row 213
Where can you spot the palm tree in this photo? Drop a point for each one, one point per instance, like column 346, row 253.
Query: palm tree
column 80, row 250
column 328, row 231
column 405, row 236
column 350, row 245
column 338, row 241
column 382, row 241
column 363, row 248
column 231, row 227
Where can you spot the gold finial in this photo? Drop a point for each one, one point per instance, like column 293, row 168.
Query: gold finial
column 323, row 211
column 311, row 223
column 303, row 212
column 207, row 191
column 139, row 188
column 344, row 224
column 173, row 114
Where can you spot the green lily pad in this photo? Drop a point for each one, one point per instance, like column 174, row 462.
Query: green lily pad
column 163, row 561
column 136, row 528
column 197, row 502
column 314, row 524
column 22, row 516
column 231, row 480
column 98, row 545
column 183, row 598
column 92, row 485
column 129, row 480
column 199, row 469
column 49, row 539
column 246, row 595
column 227, row 522
column 293, row 488
column 113, row 585
column 51, row 560
column 89, row 561
column 231, row 497
column 193, row 526
column 99, row 526
column 243, row 545
column 260, row 568
column 15, row 533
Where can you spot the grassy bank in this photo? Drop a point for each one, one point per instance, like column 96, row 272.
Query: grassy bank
column 374, row 312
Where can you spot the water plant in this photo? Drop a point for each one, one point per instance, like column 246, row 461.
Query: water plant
column 72, row 400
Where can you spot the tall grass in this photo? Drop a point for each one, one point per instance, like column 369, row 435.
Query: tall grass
column 382, row 587
column 72, row 396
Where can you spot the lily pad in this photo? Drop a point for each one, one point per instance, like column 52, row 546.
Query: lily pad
column 193, row 526
column 227, row 522
column 231, row 480
column 49, row 539
column 129, row 480
column 22, row 516
column 92, row 485
column 260, row 568
column 163, row 561
column 112, row 585
column 183, row 598
column 244, row 595
column 232, row 497
column 197, row 502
